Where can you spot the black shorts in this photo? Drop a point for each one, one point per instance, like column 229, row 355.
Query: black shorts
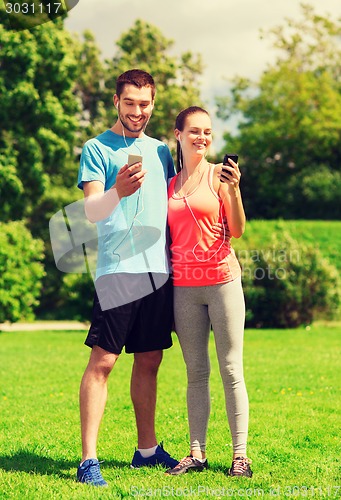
column 142, row 325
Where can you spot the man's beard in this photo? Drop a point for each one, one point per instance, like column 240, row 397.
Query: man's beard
column 133, row 131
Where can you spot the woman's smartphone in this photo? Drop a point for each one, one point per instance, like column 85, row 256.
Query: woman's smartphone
column 132, row 159
column 233, row 157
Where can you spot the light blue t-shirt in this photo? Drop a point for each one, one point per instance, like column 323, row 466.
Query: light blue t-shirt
column 133, row 238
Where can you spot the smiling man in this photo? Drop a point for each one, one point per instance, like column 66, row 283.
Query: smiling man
column 133, row 305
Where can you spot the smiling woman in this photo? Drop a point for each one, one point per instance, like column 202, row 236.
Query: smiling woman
column 207, row 286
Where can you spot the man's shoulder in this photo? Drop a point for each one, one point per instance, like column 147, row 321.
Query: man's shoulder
column 103, row 139
column 156, row 143
column 154, row 140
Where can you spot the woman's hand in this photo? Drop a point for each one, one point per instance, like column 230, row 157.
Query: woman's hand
column 227, row 186
column 229, row 175
column 221, row 231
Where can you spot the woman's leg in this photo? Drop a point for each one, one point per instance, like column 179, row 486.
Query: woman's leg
column 227, row 313
column 192, row 326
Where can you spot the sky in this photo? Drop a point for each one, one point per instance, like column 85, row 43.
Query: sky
column 225, row 32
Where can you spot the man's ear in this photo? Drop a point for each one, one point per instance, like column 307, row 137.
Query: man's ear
column 116, row 100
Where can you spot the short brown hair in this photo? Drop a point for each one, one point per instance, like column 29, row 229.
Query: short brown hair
column 135, row 77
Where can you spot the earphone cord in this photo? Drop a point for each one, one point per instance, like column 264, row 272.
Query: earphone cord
column 125, row 140
column 140, row 195
column 197, row 223
column 130, row 227
column 141, row 189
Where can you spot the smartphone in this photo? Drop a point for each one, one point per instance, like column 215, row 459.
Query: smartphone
column 132, row 159
column 233, row 157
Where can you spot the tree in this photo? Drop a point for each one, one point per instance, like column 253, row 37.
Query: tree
column 37, row 113
column 177, row 78
column 290, row 127
column 21, row 272
column 38, row 116
column 90, row 88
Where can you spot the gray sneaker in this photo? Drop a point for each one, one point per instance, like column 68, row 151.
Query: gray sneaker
column 240, row 467
column 188, row 464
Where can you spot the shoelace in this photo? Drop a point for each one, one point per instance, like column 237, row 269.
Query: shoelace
column 240, row 465
column 95, row 473
column 184, row 462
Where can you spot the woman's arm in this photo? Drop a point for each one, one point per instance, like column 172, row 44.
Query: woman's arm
column 229, row 192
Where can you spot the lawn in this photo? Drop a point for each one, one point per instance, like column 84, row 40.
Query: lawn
column 293, row 380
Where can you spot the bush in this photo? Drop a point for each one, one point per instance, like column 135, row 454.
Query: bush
column 21, row 271
column 288, row 283
column 316, row 194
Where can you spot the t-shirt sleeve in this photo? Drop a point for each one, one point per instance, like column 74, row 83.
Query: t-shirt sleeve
column 92, row 165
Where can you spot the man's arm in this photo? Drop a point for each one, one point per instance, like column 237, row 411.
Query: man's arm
column 99, row 204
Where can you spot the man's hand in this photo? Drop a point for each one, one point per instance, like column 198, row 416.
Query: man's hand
column 129, row 179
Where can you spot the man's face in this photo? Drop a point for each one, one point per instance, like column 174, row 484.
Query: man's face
column 134, row 109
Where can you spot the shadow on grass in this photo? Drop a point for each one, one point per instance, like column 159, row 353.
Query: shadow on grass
column 31, row 463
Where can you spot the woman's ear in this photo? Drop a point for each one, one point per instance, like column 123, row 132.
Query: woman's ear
column 177, row 134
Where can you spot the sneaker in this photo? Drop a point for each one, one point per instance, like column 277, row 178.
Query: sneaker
column 240, row 467
column 188, row 464
column 89, row 472
column 161, row 457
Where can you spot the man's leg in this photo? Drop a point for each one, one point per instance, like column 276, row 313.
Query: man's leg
column 143, row 395
column 93, row 396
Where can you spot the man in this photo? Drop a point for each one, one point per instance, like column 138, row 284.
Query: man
column 133, row 299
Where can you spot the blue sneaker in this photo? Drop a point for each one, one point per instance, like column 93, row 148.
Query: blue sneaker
column 89, row 472
column 161, row 457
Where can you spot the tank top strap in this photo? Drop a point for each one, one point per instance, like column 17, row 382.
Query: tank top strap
column 171, row 185
column 210, row 180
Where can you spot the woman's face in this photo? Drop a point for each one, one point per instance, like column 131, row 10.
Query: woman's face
column 196, row 137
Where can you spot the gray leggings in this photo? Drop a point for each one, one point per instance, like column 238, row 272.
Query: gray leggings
column 196, row 308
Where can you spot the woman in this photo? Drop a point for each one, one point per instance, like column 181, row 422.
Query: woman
column 207, row 286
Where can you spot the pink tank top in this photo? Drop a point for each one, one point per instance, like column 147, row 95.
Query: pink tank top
column 198, row 257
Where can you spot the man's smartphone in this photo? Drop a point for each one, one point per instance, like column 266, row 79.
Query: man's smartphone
column 233, row 157
column 132, row 159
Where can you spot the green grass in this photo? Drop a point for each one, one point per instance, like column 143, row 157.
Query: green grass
column 293, row 380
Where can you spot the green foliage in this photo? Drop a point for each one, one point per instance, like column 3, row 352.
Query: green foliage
column 21, row 272
column 90, row 90
column 320, row 189
column 291, row 376
column 74, row 299
column 37, row 108
column 287, row 282
column 290, row 120
column 38, row 167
